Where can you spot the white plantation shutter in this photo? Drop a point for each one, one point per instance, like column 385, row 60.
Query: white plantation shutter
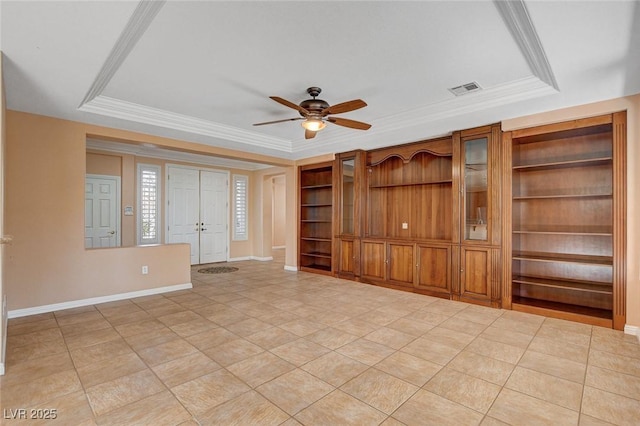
column 240, row 203
column 148, row 204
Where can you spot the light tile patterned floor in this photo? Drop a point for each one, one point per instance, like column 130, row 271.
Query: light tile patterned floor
column 263, row 346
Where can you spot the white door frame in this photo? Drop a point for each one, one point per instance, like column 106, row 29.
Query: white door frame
column 166, row 197
column 118, row 180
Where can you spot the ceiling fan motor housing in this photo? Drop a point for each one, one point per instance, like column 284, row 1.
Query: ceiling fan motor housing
column 314, row 106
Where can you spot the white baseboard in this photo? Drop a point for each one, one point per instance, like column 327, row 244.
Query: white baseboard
column 261, row 259
column 633, row 330
column 1, row 368
column 291, row 268
column 16, row 313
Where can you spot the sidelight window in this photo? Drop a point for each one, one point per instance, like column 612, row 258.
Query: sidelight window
column 148, row 204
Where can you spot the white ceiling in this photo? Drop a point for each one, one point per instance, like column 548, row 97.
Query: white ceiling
column 202, row 71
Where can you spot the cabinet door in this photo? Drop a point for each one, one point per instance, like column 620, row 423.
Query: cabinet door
column 401, row 263
column 476, row 189
column 434, row 268
column 348, row 258
column 480, row 185
column 476, row 272
column 373, row 259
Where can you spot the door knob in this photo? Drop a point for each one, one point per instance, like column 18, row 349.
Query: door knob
column 203, row 229
column 112, row 232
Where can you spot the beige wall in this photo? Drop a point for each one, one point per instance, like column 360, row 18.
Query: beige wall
column 104, row 164
column 279, row 219
column 2, row 155
column 47, row 262
column 632, row 106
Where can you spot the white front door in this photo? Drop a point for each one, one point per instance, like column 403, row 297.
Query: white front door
column 101, row 225
column 198, row 212
column 184, row 205
column 213, row 216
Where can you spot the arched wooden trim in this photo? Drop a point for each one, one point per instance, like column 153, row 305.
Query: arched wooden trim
column 439, row 147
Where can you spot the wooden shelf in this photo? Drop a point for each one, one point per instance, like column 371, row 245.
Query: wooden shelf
column 606, row 231
column 560, row 196
column 323, row 268
column 314, row 221
column 562, row 258
column 326, row 240
column 316, row 254
column 392, row 185
column 563, row 163
column 324, row 185
column 573, row 285
column 594, row 316
column 317, row 205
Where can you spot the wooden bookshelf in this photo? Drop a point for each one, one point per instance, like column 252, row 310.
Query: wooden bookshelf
column 316, row 217
column 567, row 220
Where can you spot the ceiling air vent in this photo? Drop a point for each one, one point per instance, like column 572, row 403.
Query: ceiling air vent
column 465, row 88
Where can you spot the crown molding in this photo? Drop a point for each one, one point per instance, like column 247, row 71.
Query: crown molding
column 516, row 17
column 166, row 154
column 117, row 108
column 137, row 25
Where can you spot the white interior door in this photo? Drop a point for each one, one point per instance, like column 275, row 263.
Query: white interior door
column 197, row 214
column 183, row 208
column 102, row 199
column 213, row 216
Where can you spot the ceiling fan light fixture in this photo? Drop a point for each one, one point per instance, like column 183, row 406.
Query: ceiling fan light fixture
column 313, row 124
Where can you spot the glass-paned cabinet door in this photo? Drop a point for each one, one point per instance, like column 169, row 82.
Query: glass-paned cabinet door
column 348, row 196
column 476, row 189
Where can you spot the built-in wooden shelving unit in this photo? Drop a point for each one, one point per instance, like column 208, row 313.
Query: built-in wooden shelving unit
column 565, row 220
column 316, row 217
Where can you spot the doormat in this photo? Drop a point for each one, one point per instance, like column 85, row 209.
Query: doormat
column 217, row 270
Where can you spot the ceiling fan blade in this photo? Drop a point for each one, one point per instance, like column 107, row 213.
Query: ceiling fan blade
column 279, row 121
column 349, row 123
column 344, row 107
column 289, row 104
column 309, row 134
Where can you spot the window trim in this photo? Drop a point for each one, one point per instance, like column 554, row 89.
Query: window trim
column 156, row 169
column 243, row 236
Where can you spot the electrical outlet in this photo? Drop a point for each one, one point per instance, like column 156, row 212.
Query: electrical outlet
column 405, row 225
column 145, row 270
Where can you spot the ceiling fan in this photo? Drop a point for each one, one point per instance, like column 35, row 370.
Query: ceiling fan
column 316, row 112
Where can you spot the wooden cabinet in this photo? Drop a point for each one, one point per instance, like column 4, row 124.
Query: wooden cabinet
column 420, row 267
column 316, row 217
column 477, row 270
column 389, row 263
column 480, row 274
column 409, row 223
column 401, row 263
column 567, row 207
column 374, row 260
column 434, row 268
column 349, row 180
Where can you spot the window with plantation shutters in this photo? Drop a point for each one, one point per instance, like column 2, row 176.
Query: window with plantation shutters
column 148, row 204
column 240, row 201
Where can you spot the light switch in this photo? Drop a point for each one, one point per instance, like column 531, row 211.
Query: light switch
column 405, row 225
